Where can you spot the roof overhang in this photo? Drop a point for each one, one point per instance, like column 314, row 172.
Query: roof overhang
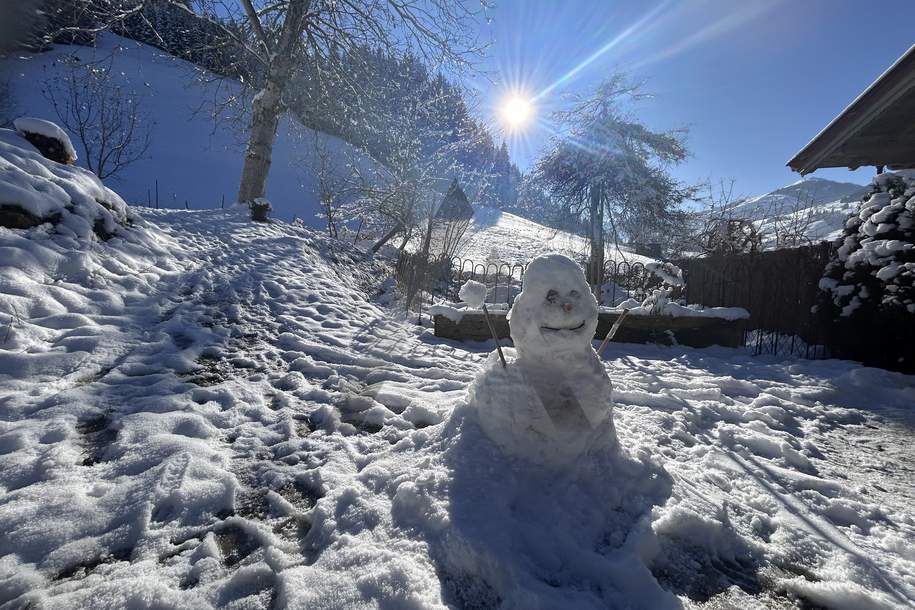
column 878, row 128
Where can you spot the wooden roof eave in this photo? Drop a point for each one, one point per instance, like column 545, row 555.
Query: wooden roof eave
column 889, row 88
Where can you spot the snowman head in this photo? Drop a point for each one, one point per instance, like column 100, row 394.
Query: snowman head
column 555, row 314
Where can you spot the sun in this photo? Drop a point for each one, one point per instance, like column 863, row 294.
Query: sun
column 516, row 111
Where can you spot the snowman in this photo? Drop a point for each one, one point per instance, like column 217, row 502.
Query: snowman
column 552, row 402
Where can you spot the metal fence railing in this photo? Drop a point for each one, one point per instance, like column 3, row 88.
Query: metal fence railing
column 442, row 278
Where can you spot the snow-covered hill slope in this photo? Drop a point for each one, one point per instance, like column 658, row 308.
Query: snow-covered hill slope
column 499, row 236
column 825, row 203
column 193, row 158
column 208, row 412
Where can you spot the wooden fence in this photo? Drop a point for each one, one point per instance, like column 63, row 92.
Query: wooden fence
column 778, row 287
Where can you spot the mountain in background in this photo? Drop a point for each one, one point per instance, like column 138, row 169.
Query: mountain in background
column 818, row 205
column 810, row 191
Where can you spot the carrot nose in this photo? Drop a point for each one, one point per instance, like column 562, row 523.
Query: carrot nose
column 567, row 307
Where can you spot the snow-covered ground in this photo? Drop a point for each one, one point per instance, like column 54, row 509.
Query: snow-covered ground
column 505, row 238
column 211, row 412
column 193, row 158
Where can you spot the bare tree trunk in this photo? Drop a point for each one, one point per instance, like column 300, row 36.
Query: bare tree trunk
column 427, row 238
column 268, row 103
column 406, row 239
column 265, row 117
column 596, row 266
column 421, row 269
column 387, row 237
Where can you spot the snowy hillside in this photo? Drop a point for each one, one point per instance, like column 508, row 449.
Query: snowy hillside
column 497, row 235
column 829, row 203
column 207, row 412
column 193, row 159
column 500, row 236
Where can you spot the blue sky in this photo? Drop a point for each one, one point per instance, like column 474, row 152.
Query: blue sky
column 753, row 80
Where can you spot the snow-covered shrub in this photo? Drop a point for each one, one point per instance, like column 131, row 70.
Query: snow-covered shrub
column 669, row 273
column 868, row 288
column 35, row 190
column 725, row 235
column 874, row 267
column 671, row 278
column 473, row 293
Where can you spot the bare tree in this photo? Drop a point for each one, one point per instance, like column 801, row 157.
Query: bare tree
column 404, row 192
column 729, row 227
column 281, row 31
column 35, row 24
column 724, row 231
column 791, row 221
column 108, row 121
column 401, row 197
column 611, row 169
column 328, row 190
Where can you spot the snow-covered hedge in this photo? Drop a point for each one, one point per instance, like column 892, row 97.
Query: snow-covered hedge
column 35, row 190
column 874, row 268
column 668, row 273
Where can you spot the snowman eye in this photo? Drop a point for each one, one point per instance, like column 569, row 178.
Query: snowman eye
column 574, row 294
column 551, row 296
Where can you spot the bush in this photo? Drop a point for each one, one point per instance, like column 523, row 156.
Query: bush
column 869, row 285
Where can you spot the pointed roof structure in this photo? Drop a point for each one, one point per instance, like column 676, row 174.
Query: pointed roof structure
column 454, row 205
column 877, row 128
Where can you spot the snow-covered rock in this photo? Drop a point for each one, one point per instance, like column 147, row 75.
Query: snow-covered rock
column 56, row 145
column 34, row 189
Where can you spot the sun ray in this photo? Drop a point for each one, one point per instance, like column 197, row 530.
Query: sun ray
column 721, row 26
column 615, row 41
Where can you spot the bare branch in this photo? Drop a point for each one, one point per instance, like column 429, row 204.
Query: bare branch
column 109, row 124
column 255, row 22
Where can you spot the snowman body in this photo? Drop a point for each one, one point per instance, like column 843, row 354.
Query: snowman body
column 552, row 403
